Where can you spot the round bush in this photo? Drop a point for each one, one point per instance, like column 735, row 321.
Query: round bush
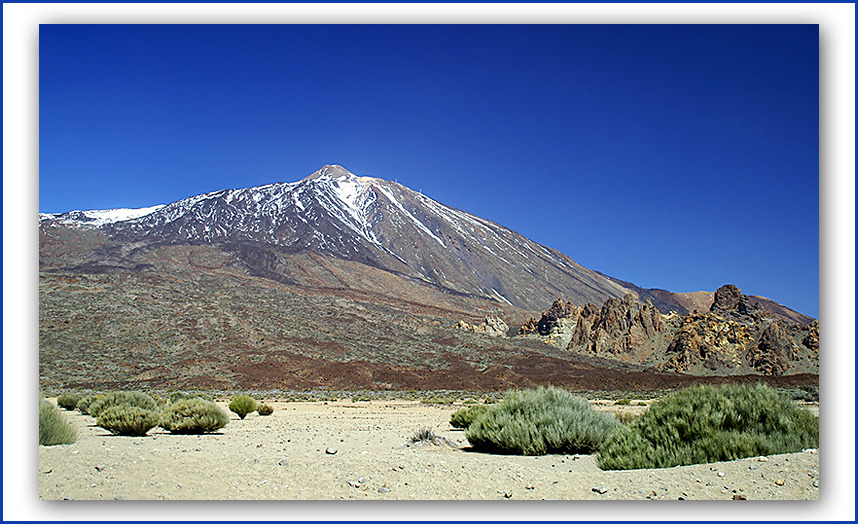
column 540, row 421
column 53, row 427
column 179, row 395
column 68, row 401
column 128, row 420
column 264, row 410
column 193, row 415
column 465, row 417
column 84, row 403
column 241, row 405
column 116, row 398
column 703, row 424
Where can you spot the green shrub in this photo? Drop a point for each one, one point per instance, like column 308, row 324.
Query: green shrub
column 622, row 402
column 68, row 401
column 193, row 415
column 465, row 417
column 53, row 427
column 703, row 424
column 125, row 419
column 180, row 395
column 264, row 410
column 625, row 417
column 84, row 403
column 540, row 421
column 241, row 405
column 116, row 398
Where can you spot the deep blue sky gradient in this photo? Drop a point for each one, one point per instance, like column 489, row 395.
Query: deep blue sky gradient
column 677, row 157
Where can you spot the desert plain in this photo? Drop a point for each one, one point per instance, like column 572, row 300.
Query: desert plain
column 344, row 450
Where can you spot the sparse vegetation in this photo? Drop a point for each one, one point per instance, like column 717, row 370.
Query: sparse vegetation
column 68, row 401
column 425, row 435
column 193, row 415
column 53, row 427
column 540, row 421
column 241, row 405
column 465, row 417
column 622, row 402
column 703, row 424
column 116, row 398
column 264, row 410
column 125, row 419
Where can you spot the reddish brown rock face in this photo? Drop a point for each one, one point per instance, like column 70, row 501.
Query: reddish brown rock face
column 773, row 352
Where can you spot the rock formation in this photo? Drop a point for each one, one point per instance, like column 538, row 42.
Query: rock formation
column 491, row 326
column 734, row 336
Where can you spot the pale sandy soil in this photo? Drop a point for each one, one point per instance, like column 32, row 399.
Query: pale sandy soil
column 285, row 456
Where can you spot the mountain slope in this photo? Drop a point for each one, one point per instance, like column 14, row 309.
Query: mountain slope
column 375, row 222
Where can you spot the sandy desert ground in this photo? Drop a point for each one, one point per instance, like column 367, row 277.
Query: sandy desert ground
column 346, row 450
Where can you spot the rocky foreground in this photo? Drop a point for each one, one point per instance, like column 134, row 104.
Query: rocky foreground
column 357, row 450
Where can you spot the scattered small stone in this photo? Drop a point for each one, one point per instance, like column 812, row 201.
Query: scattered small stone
column 354, row 484
column 530, row 486
column 652, row 495
column 383, row 489
column 763, row 459
column 680, row 498
column 739, row 497
column 331, row 451
column 507, row 494
column 752, row 467
column 600, row 490
column 117, row 497
column 720, row 473
column 362, row 480
column 815, row 483
column 283, row 462
column 779, row 482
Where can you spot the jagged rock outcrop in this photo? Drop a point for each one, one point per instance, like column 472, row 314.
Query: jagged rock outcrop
column 491, row 326
column 734, row 336
column 551, row 319
column 622, row 325
column 531, row 327
column 707, row 342
column 811, row 340
column 773, row 352
column 729, row 298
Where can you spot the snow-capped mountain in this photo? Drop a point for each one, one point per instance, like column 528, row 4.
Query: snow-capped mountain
column 99, row 217
column 372, row 221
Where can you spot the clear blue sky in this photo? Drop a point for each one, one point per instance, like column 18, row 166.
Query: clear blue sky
column 677, row 157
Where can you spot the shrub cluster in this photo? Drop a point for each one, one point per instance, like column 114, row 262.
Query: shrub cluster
column 53, row 427
column 84, row 403
column 540, row 421
column 241, row 405
column 264, row 410
column 129, row 420
column 193, row 415
column 68, row 401
column 180, row 395
column 116, row 398
column 702, row 424
column 466, row 416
